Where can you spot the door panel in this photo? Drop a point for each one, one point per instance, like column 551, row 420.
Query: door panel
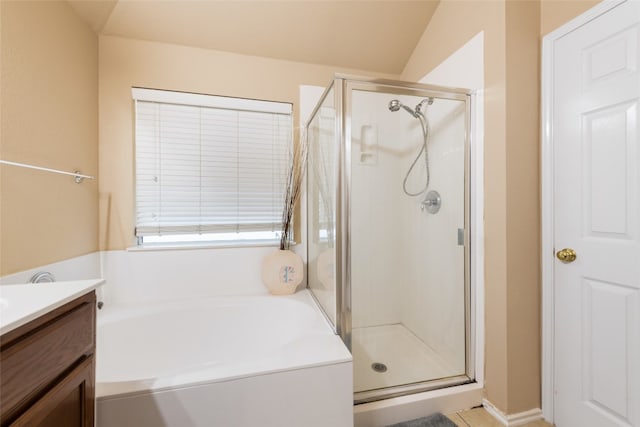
column 608, row 319
column 609, row 136
column 597, row 213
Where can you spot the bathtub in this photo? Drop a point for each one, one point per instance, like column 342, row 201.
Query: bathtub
column 223, row 361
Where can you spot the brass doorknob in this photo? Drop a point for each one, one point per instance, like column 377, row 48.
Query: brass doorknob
column 566, row 255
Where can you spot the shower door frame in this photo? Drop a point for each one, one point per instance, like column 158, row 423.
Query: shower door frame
column 343, row 86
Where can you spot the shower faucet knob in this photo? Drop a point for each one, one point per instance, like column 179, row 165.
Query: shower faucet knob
column 431, row 202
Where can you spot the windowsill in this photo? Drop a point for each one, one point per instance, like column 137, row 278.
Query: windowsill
column 205, row 245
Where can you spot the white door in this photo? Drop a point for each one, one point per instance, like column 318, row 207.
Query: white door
column 596, row 157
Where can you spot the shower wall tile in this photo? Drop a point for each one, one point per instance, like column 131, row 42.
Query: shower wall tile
column 377, row 270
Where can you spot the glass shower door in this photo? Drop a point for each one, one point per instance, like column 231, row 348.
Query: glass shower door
column 408, row 257
column 387, row 220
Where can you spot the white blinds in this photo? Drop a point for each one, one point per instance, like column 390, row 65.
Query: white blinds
column 208, row 164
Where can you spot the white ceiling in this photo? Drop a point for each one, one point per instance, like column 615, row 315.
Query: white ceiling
column 372, row 35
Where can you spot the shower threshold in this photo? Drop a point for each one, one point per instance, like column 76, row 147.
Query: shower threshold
column 403, row 390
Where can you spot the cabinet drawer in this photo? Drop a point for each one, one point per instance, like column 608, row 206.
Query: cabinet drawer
column 31, row 365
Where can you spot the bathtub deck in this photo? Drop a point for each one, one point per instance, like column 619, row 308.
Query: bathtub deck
column 408, row 360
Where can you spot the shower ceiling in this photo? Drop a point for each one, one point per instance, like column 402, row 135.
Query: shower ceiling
column 373, row 35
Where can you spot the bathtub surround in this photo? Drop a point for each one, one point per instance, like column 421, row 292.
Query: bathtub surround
column 151, row 275
column 164, row 275
column 78, row 268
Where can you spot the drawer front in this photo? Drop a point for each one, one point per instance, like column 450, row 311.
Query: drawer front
column 31, row 364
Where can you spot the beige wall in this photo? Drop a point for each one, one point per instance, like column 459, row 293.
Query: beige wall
column 554, row 13
column 125, row 63
column 512, row 203
column 437, row 43
column 49, row 106
column 523, row 286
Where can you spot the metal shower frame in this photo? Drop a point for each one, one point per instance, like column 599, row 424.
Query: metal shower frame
column 343, row 86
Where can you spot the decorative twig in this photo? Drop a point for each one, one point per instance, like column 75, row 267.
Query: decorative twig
column 293, row 188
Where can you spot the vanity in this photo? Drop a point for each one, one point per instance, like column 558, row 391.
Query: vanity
column 47, row 354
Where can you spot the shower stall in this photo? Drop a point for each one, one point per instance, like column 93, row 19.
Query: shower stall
column 388, row 231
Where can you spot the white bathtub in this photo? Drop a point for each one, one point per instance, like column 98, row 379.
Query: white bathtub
column 224, row 361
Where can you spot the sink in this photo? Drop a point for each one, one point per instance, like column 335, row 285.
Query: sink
column 3, row 303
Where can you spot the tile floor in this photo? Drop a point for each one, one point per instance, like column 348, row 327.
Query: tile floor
column 478, row 417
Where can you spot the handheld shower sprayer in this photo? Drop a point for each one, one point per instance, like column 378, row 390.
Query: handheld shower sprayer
column 395, row 105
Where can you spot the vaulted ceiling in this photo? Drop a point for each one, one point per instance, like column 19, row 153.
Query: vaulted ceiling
column 372, row 35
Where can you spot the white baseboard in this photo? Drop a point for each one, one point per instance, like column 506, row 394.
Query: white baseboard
column 512, row 420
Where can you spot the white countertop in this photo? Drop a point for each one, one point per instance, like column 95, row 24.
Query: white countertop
column 20, row 304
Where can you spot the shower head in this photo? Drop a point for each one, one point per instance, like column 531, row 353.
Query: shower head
column 395, row 105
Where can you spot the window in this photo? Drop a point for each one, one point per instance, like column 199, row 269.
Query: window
column 209, row 167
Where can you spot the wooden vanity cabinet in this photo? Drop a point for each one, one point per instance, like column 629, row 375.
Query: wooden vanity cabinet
column 47, row 368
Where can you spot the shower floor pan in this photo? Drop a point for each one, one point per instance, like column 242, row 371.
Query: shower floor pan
column 406, row 358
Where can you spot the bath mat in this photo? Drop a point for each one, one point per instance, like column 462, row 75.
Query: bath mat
column 435, row 420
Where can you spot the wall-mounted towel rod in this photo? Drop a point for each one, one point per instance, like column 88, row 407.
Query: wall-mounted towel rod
column 78, row 177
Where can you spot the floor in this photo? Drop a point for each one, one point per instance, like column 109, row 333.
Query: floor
column 478, row 417
column 406, row 358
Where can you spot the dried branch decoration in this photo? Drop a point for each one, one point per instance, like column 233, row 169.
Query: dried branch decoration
column 293, row 188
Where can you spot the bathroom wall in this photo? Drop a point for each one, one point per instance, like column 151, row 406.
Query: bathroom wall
column 555, row 13
column 125, row 63
column 49, row 104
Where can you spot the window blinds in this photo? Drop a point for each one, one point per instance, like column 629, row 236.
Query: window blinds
column 209, row 164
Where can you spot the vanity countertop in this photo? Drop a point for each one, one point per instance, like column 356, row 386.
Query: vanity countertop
column 22, row 303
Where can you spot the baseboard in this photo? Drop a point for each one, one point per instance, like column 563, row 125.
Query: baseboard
column 512, row 420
